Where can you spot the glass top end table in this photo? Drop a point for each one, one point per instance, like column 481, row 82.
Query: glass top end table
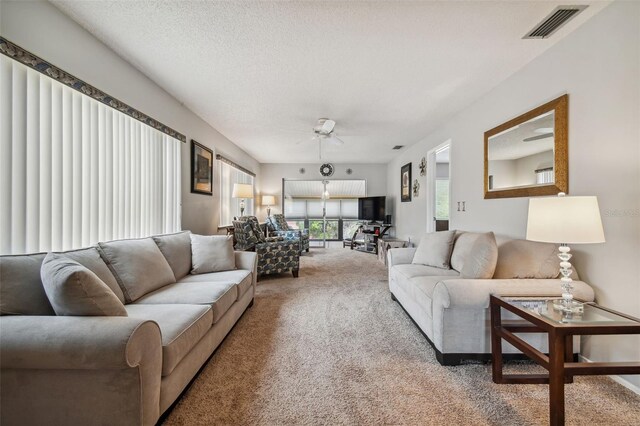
column 590, row 313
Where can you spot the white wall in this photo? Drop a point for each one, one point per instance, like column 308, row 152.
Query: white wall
column 598, row 65
column 45, row 31
column 271, row 175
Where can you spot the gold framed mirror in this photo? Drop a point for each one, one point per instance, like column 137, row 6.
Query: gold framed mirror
column 528, row 155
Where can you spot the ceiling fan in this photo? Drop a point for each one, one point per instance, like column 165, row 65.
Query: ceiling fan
column 323, row 132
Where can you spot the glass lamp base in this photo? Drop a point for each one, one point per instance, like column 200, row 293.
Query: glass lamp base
column 569, row 306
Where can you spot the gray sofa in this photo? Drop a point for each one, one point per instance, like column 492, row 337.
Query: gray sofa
column 124, row 370
column 452, row 312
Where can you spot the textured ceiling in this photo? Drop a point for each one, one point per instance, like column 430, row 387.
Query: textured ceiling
column 262, row 73
column 511, row 144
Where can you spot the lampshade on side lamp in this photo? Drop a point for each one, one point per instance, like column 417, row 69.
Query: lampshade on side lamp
column 268, row 201
column 565, row 220
column 242, row 191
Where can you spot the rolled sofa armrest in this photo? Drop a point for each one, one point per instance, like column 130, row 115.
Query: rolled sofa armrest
column 80, row 343
column 400, row 256
column 248, row 260
column 474, row 293
column 76, row 370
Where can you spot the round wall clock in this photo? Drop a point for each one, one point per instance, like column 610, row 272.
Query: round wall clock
column 326, row 169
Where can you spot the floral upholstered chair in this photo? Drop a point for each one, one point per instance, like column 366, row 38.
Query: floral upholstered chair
column 275, row 254
column 278, row 226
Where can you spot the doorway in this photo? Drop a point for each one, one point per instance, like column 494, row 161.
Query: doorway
column 438, row 187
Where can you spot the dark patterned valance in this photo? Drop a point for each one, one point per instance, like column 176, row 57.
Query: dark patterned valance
column 17, row 53
column 232, row 164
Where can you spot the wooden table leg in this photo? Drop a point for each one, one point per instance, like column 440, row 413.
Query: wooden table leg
column 496, row 344
column 556, row 378
column 568, row 354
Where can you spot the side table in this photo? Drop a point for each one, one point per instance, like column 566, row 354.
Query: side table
column 539, row 316
column 384, row 244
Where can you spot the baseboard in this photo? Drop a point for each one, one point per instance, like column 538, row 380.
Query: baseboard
column 627, row 384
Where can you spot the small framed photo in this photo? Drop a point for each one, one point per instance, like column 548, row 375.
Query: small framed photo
column 201, row 169
column 405, row 183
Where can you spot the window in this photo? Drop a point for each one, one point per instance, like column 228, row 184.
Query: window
column 75, row 171
column 229, row 206
column 442, row 199
column 544, row 176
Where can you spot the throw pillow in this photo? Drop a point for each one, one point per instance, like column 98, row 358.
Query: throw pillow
column 435, row 249
column 481, row 260
column 212, row 253
column 138, row 265
column 73, row 289
column 176, row 248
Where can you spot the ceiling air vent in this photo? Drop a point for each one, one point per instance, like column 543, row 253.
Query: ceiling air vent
column 549, row 25
column 398, row 147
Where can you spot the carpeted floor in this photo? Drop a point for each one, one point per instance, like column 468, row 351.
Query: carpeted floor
column 332, row 348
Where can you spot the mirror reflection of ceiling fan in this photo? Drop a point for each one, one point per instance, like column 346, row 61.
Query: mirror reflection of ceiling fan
column 323, row 131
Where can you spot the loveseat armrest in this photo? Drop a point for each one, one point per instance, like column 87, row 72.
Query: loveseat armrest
column 80, row 370
column 400, row 256
column 248, row 260
column 474, row 293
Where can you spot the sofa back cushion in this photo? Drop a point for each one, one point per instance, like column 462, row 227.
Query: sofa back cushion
column 176, row 248
column 212, row 253
column 528, row 259
column 435, row 249
column 138, row 266
column 480, row 262
column 21, row 291
column 462, row 245
column 73, row 289
column 90, row 259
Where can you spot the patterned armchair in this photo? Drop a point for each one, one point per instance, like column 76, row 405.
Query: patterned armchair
column 278, row 226
column 275, row 254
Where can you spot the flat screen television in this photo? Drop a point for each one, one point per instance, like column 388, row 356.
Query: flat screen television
column 371, row 208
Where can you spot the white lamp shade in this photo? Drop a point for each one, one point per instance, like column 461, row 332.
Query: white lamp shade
column 565, row 220
column 242, row 190
column 268, row 200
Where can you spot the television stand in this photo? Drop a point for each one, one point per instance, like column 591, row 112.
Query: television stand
column 372, row 232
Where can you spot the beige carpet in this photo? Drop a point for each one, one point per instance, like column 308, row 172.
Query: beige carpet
column 332, row 348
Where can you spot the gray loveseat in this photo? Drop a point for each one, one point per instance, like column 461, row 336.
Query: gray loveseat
column 120, row 370
column 452, row 312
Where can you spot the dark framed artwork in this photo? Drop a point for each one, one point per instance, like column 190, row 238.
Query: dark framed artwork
column 405, row 183
column 201, row 169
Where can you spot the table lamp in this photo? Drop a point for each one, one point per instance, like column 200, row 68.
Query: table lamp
column 565, row 220
column 268, row 201
column 242, row 191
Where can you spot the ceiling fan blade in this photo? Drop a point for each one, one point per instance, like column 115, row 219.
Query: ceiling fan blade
column 312, row 139
column 333, row 139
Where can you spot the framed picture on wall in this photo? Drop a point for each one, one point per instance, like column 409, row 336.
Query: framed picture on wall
column 405, row 183
column 201, row 169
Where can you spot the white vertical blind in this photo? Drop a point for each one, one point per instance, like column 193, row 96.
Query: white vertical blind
column 229, row 206
column 74, row 171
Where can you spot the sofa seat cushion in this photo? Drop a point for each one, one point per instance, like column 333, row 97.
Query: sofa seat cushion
column 412, row 270
column 181, row 326
column 219, row 295
column 241, row 277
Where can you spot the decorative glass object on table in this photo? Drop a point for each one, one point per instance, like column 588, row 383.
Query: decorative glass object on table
column 565, row 220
